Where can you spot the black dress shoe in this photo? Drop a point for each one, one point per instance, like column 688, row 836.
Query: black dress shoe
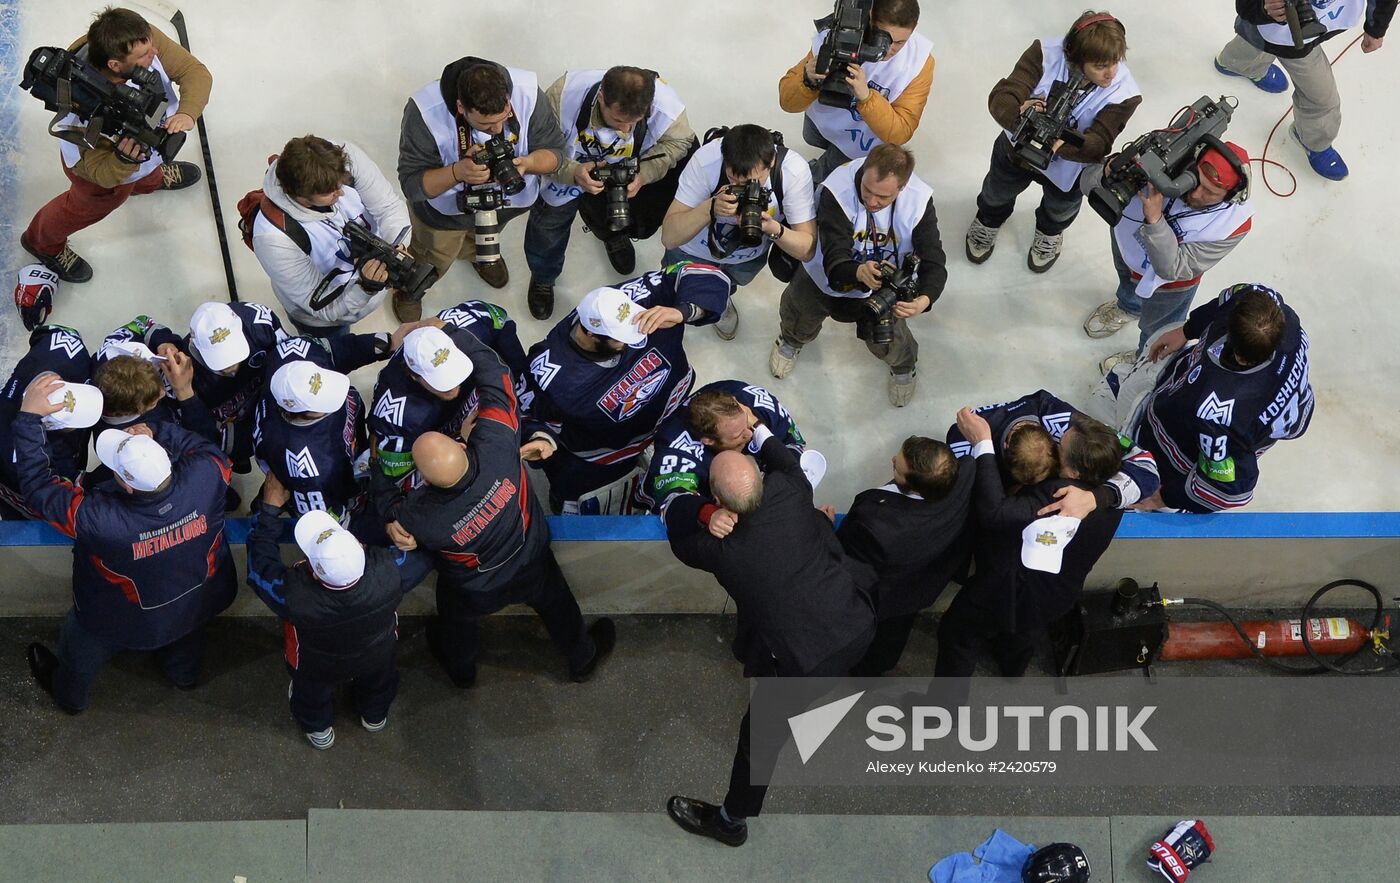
column 699, row 817
column 621, row 254
column 461, row 682
column 540, row 298
column 42, row 665
column 604, row 635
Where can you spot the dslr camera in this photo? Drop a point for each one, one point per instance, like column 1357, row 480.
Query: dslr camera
column 616, row 177
column 410, row 276
column 498, row 155
column 897, row 285
column 1038, row 130
column 852, row 39
column 67, row 84
column 753, row 202
column 1165, row 158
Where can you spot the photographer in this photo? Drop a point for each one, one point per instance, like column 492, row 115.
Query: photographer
column 321, row 185
column 874, row 215
column 1162, row 247
column 444, row 125
column 104, row 176
column 1093, row 49
column 712, row 221
column 888, row 96
column 610, row 119
column 1262, row 33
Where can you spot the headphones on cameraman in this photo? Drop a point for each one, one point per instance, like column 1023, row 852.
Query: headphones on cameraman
column 1072, row 38
column 1240, row 192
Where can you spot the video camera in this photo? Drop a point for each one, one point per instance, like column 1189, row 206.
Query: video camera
column 1038, row 130
column 498, row 155
column 1165, row 158
column 410, row 276
column 852, row 39
column 1303, row 25
column 753, row 203
column 897, row 285
column 67, row 84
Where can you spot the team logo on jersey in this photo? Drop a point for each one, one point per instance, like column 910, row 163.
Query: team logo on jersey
column 1195, row 372
column 689, row 445
column 69, row 343
column 262, row 314
column 960, row 449
column 390, row 408
column 1056, row 424
column 1214, row 410
column 630, row 394
column 762, row 398
column 543, row 369
column 220, row 335
column 294, row 346
column 302, row 464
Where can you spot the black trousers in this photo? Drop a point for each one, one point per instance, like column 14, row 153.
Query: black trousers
column 373, row 691
column 744, row 798
column 891, row 636
column 541, row 585
column 966, row 633
column 1006, row 179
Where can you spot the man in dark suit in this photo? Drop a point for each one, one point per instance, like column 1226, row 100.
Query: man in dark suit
column 800, row 613
column 1030, row 570
column 911, row 536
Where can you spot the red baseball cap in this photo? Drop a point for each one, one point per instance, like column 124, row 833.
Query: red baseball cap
column 1224, row 174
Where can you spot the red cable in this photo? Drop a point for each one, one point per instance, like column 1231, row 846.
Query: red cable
column 1263, row 158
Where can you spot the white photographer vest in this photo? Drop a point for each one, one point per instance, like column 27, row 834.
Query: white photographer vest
column 843, row 126
column 70, row 151
column 666, row 107
column 709, row 165
column 1054, row 66
column 1209, row 225
column 442, row 123
column 894, row 238
column 329, row 254
column 1335, row 15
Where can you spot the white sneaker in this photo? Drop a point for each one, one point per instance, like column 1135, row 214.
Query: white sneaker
column 1113, row 361
column 901, row 388
column 981, row 240
column 1107, row 319
column 728, row 324
column 1045, row 251
column 782, row 358
column 322, row 740
column 374, row 728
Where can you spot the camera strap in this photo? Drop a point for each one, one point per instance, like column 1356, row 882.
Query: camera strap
column 775, row 183
column 585, row 118
column 82, row 136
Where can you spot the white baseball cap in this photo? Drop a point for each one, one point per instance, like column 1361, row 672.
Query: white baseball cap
column 82, row 407
column 113, row 348
column 813, row 465
column 607, row 312
column 136, row 459
column 302, row 387
column 334, row 554
column 217, row 333
column 1044, row 540
column 433, row 356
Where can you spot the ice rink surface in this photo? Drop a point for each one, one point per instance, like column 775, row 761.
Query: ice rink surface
column 345, row 68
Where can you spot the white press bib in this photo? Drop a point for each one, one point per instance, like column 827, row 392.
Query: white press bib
column 1209, row 225
column 843, row 126
column 1335, row 15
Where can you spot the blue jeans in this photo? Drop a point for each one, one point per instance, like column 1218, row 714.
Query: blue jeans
column 323, row 331
column 1166, row 306
column 739, row 274
column 547, row 238
column 81, row 655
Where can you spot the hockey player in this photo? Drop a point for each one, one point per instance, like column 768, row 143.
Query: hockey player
column 139, row 386
column 406, row 405
column 721, row 416
column 1216, row 406
column 150, row 563
column 1135, row 481
column 606, row 377
column 53, row 349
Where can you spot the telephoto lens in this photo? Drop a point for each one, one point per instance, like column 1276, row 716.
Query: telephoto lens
column 488, row 237
column 619, row 208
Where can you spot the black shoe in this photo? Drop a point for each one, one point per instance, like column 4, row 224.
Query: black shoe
column 42, row 665
column 244, row 466
column 604, row 635
column 699, row 817
column 232, row 500
column 461, row 682
column 540, row 298
column 66, row 264
column 178, row 175
column 621, row 254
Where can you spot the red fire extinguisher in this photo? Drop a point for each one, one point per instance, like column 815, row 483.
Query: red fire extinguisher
column 1329, row 636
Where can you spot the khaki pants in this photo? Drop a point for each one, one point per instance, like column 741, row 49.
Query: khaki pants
column 441, row 247
column 1317, row 106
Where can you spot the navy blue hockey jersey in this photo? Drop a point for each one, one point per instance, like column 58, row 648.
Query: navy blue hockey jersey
column 60, row 350
column 232, row 398
column 607, row 412
column 1208, row 424
column 680, row 463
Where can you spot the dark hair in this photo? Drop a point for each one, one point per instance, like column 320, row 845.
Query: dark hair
column 630, row 90
column 1256, row 326
column 900, row 13
column 1093, row 451
column 484, row 88
column 747, row 147
column 891, row 159
column 112, row 33
column 1102, row 42
column 1030, row 454
column 706, row 409
column 933, row 470
column 129, row 384
column 310, row 166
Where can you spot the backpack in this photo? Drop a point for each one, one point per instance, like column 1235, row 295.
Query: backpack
column 255, row 202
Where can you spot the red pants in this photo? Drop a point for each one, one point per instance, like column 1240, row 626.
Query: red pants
column 83, row 205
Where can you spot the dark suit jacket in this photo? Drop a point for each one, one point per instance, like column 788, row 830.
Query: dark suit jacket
column 797, row 601
column 912, row 547
column 1006, row 595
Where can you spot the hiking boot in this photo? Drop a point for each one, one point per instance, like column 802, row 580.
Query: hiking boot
column 540, row 298
column 66, row 264
column 1045, row 251
column 1113, row 361
column 621, row 254
column 901, row 388
column 728, row 324
column 406, row 309
column 494, row 273
column 1107, row 319
column 178, row 175
column 782, row 358
column 981, row 240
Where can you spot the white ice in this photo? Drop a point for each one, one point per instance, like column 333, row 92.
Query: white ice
column 344, row 68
